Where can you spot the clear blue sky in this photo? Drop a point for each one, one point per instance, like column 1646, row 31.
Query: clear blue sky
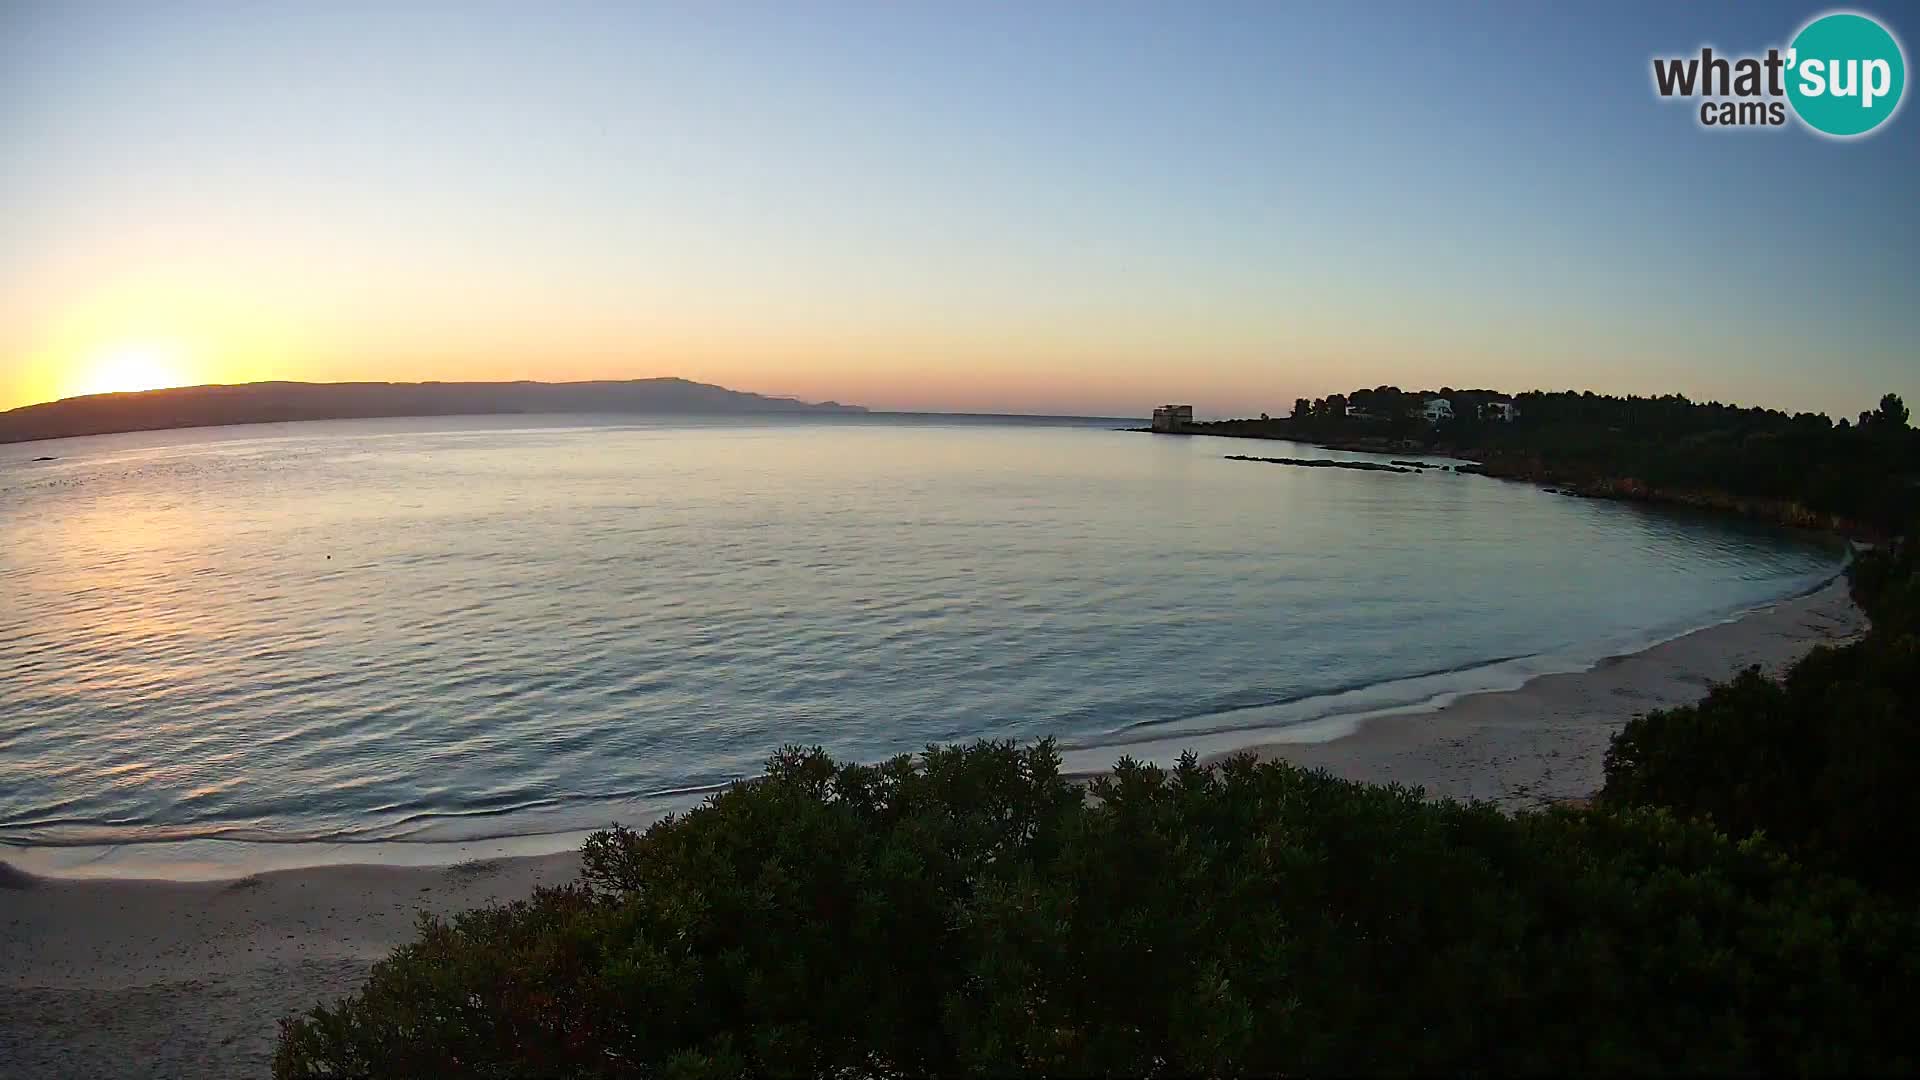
column 1033, row 207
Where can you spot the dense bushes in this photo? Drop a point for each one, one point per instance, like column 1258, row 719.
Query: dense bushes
column 975, row 912
column 1822, row 761
column 1862, row 474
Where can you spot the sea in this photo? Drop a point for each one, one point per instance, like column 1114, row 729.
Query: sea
column 324, row 640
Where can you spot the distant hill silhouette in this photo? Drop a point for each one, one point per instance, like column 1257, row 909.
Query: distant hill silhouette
column 275, row 402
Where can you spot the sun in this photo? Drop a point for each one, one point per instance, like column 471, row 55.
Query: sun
column 128, row 368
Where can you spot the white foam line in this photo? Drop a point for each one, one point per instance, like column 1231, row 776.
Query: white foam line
column 1089, row 760
column 214, row 860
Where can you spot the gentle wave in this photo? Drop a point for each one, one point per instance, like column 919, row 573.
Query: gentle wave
column 1342, row 714
column 346, row 634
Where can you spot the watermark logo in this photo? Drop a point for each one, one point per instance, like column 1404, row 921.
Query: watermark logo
column 1843, row 75
column 1849, row 74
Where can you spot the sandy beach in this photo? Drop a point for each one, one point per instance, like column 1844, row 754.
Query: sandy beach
column 1546, row 740
column 170, row 979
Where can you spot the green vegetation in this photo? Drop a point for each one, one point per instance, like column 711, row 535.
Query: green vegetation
column 1821, row 762
column 1740, row 898
column 1801, row 469
column 973, row 911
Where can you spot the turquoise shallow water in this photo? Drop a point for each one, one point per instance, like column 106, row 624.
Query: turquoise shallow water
column 433, row 630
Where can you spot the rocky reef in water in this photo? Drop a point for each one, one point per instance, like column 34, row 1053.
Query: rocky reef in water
column 1324, row 463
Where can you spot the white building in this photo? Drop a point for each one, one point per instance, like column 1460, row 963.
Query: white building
column 1437, row 409
column 1503, row 411
column 1172, row 417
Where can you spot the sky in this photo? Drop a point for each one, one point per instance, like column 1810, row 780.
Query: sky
column 1038, row 207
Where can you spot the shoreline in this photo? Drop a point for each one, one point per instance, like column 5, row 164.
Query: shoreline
column 1525, row 469
column 1544, row 742
column 1218, row 743
column 191, row 977
column 218, row 859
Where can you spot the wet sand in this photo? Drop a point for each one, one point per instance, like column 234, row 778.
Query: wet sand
column 103, row 978
column 1545, row 741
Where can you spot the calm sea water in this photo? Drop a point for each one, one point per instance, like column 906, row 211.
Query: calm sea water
column 444, row 629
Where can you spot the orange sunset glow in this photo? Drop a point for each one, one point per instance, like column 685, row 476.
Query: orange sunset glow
column 132, row 367
column 751, row 212
column 858, row 537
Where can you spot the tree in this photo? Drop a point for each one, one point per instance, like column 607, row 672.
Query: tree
column 1892, row 414
column 1302, row 408
column 1821, row 761
column 975, row 912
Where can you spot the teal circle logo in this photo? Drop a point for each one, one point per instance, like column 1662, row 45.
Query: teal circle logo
column 1845, row 73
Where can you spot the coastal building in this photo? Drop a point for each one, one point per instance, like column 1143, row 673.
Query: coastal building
column 1437, row 409
column 1503, row 411
column 1172, row 417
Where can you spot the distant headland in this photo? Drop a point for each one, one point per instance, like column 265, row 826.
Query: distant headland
column 1856, row 477
column 277, row 402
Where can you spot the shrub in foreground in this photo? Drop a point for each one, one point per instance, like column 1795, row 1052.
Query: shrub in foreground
column 973, row 911
column 1822, row 761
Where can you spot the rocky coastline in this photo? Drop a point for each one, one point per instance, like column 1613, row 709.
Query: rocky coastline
column 1533, row 469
